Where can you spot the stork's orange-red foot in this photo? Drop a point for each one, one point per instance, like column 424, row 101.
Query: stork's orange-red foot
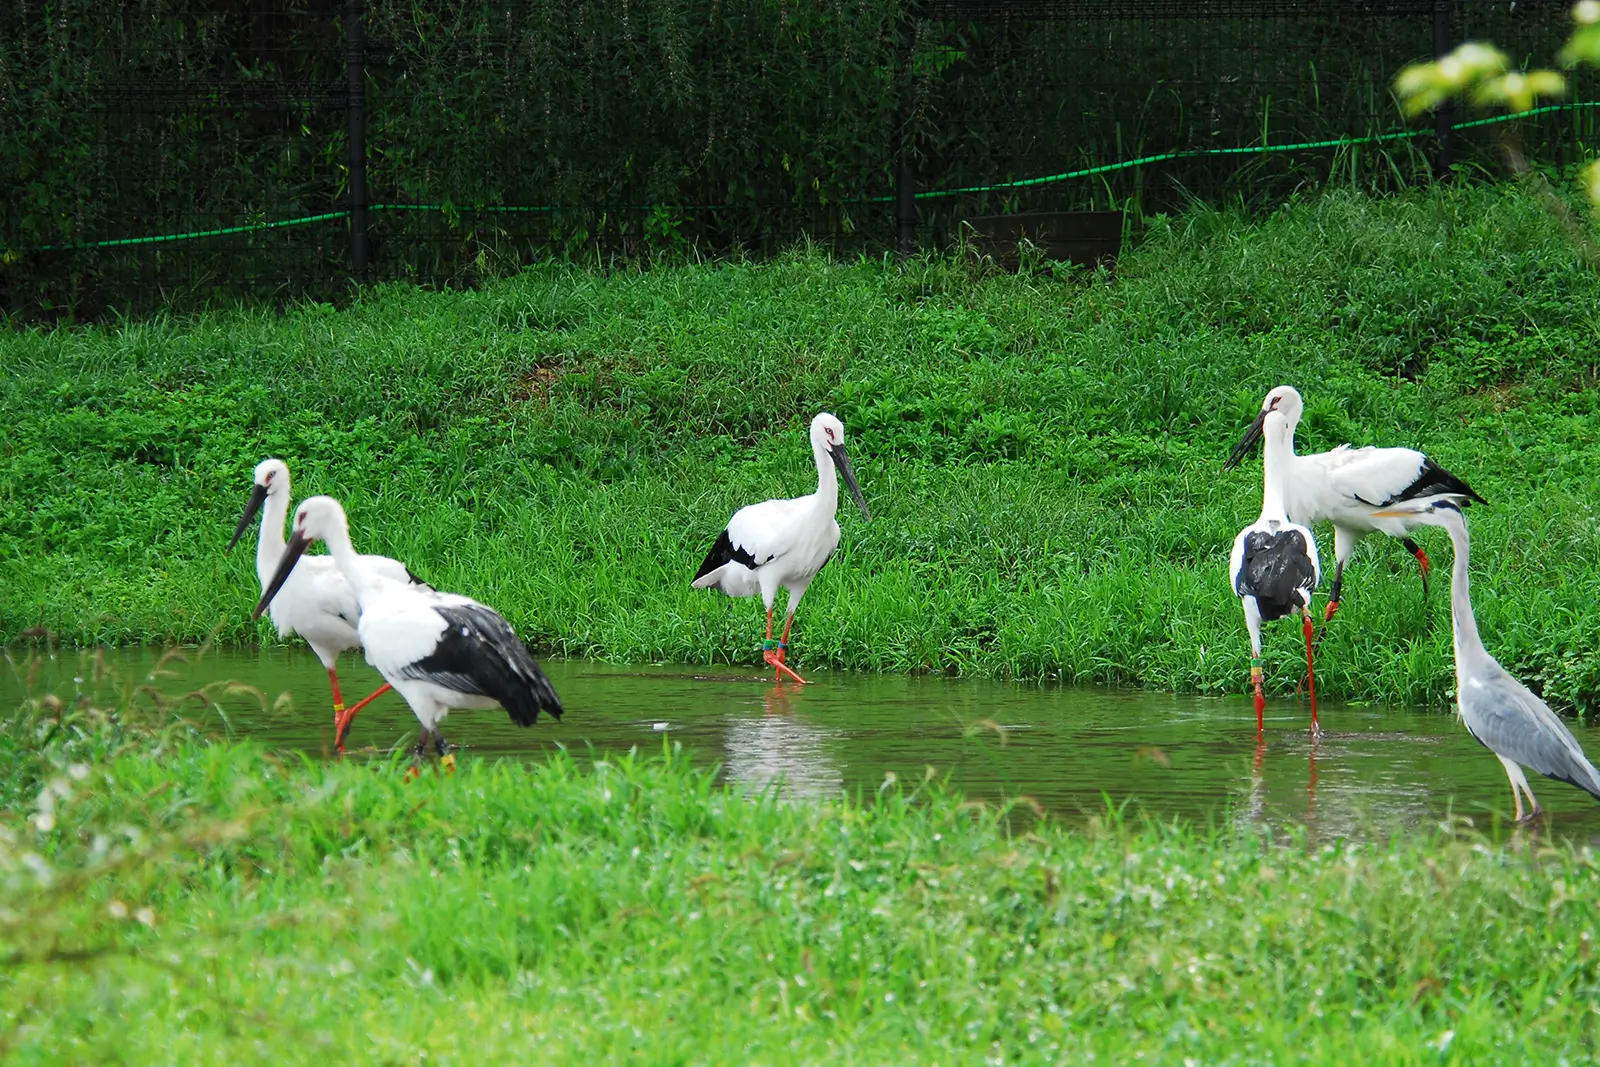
column 773, row 653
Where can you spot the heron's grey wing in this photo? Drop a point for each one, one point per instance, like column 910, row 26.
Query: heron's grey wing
column 1511, row 721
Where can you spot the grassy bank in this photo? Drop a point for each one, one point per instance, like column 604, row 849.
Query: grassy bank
column 242, row 907
column 1042, row 453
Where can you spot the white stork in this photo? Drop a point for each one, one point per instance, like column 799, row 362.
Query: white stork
column 1349, row 486
column 784, row 542
column 1275, row 571
column 315, row 601
column 438, row 650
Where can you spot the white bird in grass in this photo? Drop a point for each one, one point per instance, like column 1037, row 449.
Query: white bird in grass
column 315, row 601
column 784, row 542
column 1499, row 711
column 438, row 650
column 1349, row 487
column 1275, row 570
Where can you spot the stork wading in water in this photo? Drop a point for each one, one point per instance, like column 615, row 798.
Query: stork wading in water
column 1500, row 712
column 785, row 542
column 438, row 650
column 1349, row 487
column 315, row 601
column 1275, row 572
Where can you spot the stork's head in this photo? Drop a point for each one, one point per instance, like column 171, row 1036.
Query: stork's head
column 319, row 518
column 272, row 479
column 1280, row 412
column 827, row 434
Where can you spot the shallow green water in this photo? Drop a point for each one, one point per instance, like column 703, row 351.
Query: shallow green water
column 1376, row 770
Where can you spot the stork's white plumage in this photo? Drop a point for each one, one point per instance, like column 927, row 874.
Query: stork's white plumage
column 784, row 543
column 439, row 651
column 1275, row 571
column 315, row 601
column 1349, row 487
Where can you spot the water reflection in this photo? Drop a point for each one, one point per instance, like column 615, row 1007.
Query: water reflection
column 1073, row 751
column 779, row 748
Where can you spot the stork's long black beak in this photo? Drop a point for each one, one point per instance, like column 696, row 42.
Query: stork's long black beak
column 291, row 555
column 842, row 461
column 1247, row 442
column 258, row 496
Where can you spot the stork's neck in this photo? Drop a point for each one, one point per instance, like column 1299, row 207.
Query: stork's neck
column 1277, row 461
column 827, row 478
column 1272, row 508
column 270, row 545
column 1468, row 645
column 345, row 558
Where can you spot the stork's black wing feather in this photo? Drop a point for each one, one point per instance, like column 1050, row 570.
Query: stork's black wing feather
column 722, row 552
column 1433, row 480
column 479, row 653
column 417, row 581
column 1276, row 566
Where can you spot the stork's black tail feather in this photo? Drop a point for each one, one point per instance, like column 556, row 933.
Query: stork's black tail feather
column 1434, row 480
column 1277, row 566
column 723, row 552
column 479, row 653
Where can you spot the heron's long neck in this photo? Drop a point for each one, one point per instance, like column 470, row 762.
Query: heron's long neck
column 270, row 546
column 1468, row 643
column 827, row 480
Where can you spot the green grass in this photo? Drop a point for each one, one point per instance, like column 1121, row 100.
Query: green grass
column 195, row 903
column 1042, row 453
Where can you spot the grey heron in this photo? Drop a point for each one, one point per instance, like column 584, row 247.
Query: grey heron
column 438, row 650
column 1348, row 487
column 315, row 601
column 784, row 543
column 1499, row 711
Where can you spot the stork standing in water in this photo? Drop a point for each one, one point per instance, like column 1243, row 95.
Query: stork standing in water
column 1275, row 569
column 315, row 601
column 784, row 542
column 1349, row 487
column 438, row 650
column 1499, row 711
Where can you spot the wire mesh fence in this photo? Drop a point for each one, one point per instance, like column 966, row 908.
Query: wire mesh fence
column 172, row 150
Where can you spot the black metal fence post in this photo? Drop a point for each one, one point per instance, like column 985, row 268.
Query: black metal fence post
column 356, row 108
column 1444, row 118
column 905, row 179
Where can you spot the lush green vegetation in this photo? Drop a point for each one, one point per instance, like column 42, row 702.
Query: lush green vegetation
column 164, row 900
column 1042, row 453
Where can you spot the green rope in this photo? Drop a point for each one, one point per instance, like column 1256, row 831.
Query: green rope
column 252, row 228
column 1195, row 153
column 1023, row 183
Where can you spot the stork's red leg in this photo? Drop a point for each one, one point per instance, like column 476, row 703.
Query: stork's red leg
column 1422, row 562
column 783, row 648
column 342, row 724
column 338, row 697
column 1311, row 676
column 1261, row 699
column 773, row 651
column 1333, row 593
